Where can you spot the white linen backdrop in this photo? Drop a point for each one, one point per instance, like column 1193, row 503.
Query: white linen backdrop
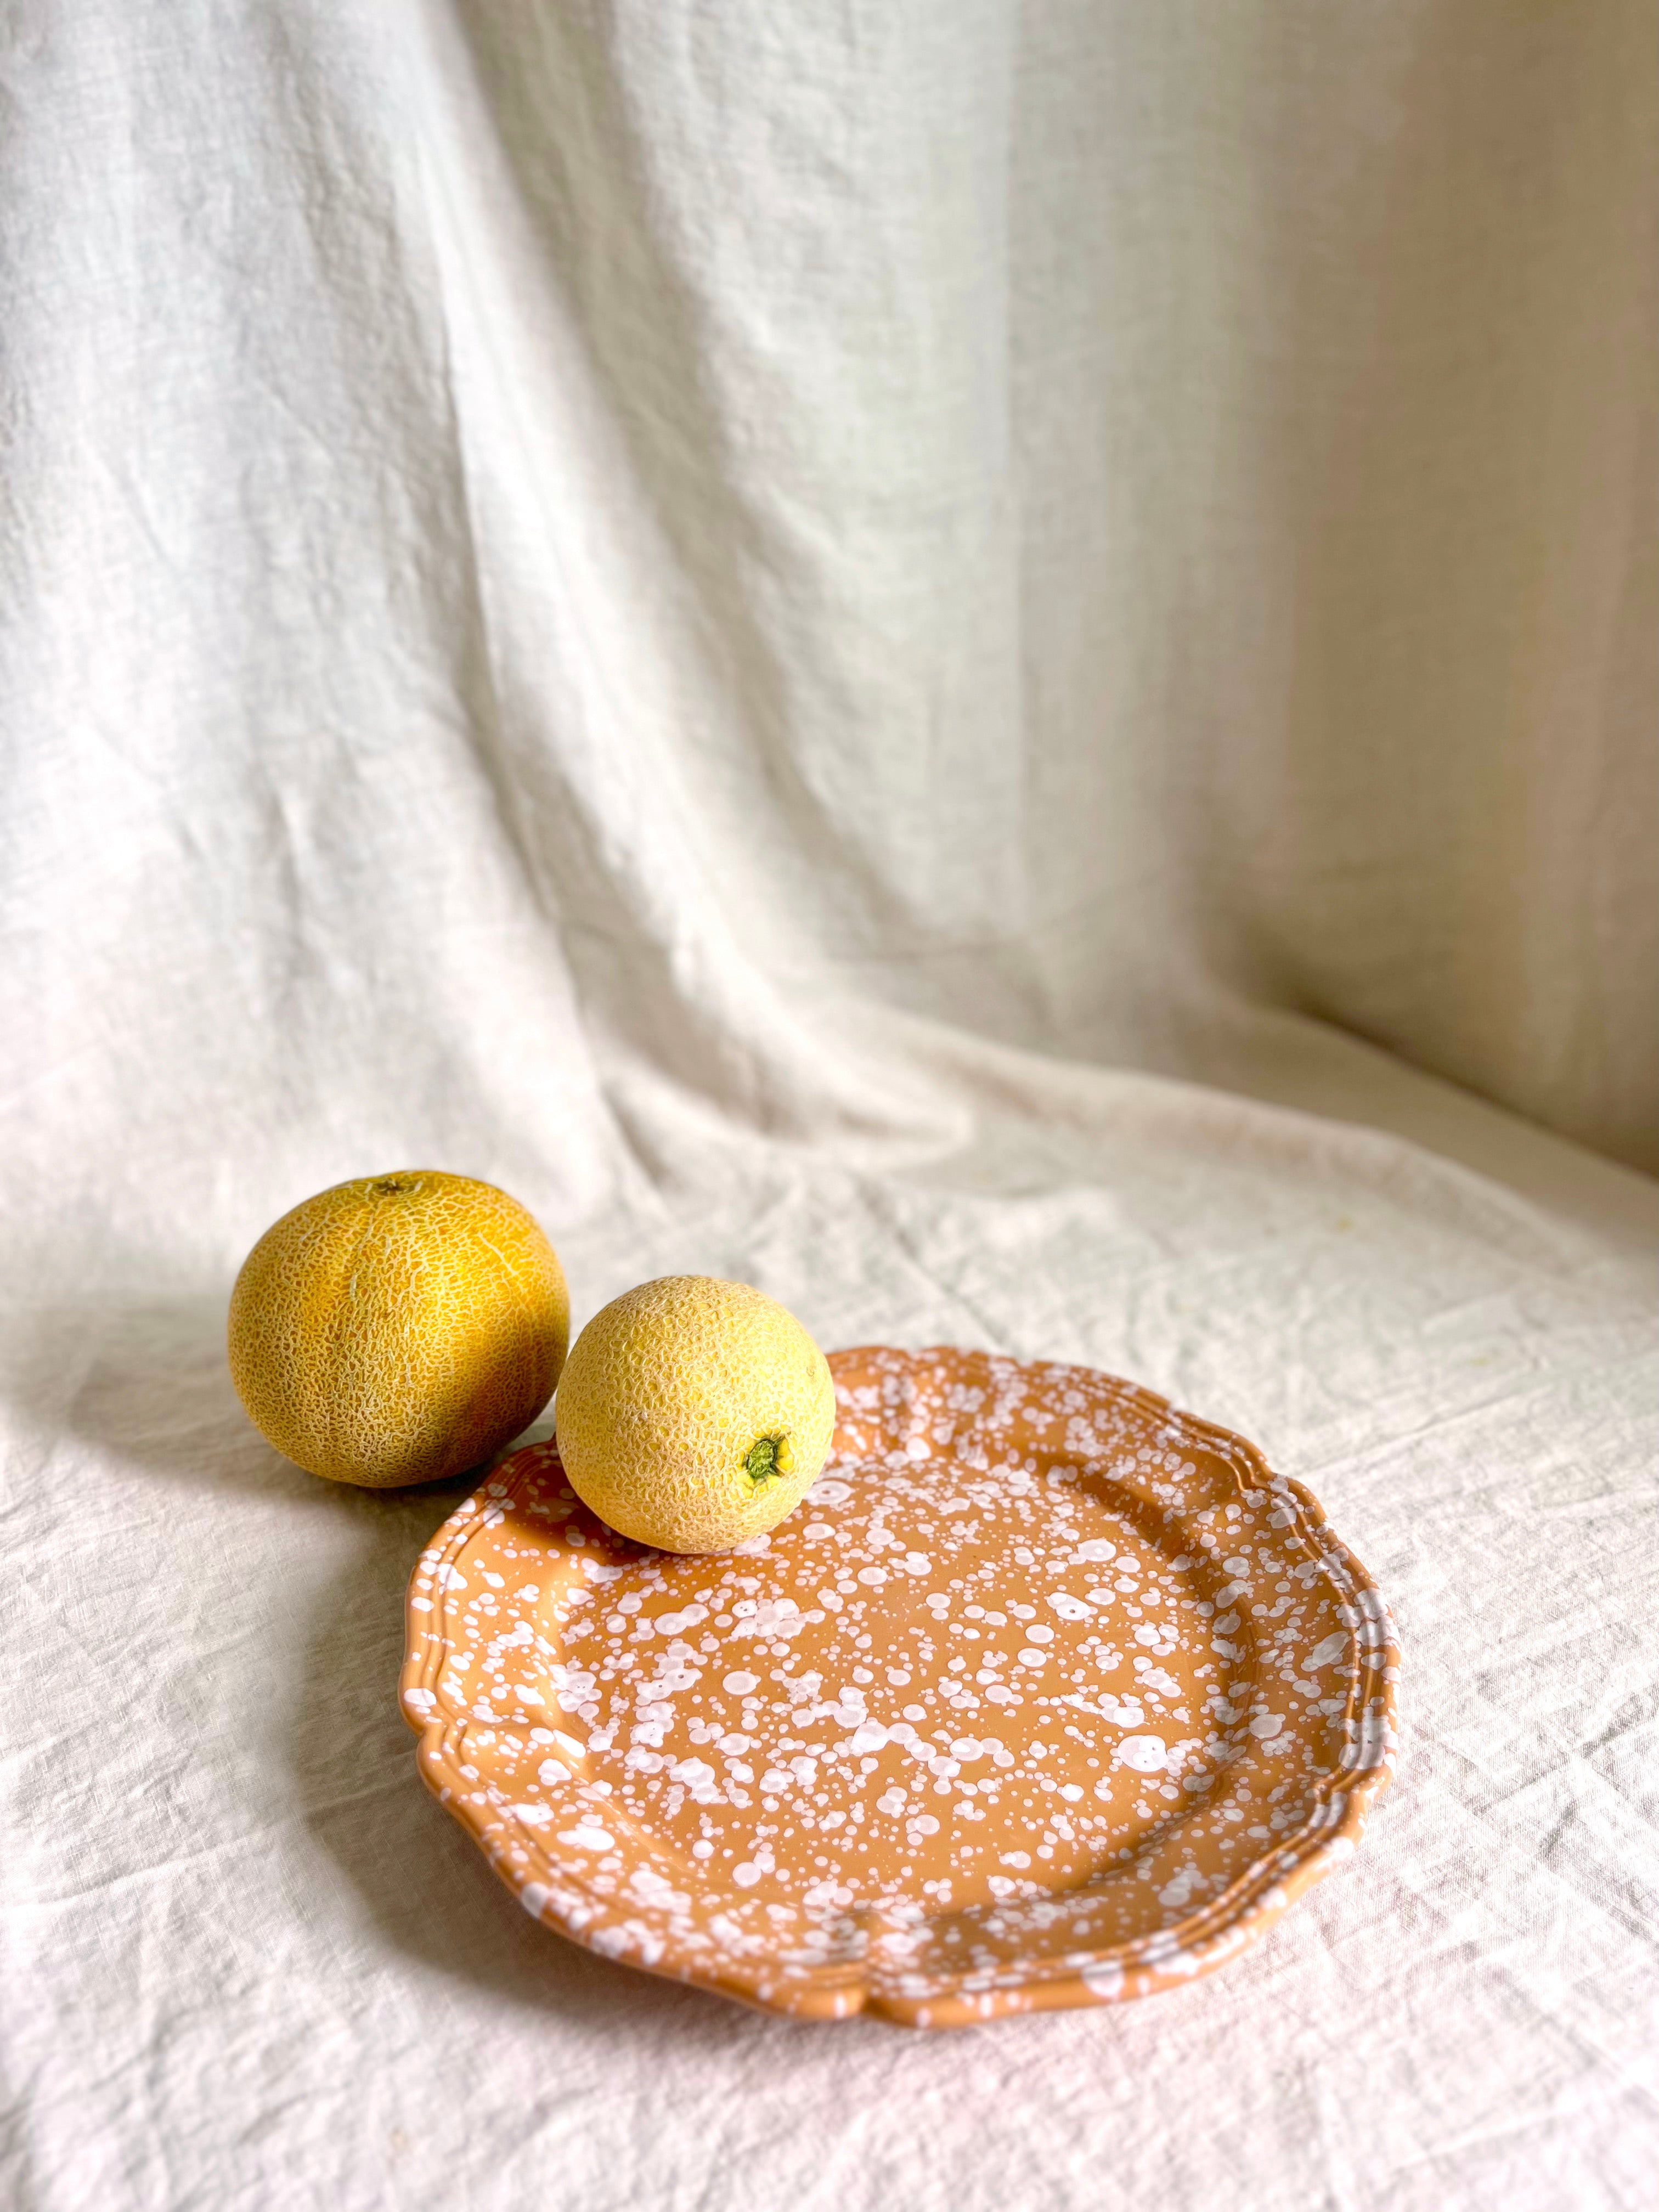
column 989, row 665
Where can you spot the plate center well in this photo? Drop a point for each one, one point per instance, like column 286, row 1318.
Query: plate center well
column 960, row 1683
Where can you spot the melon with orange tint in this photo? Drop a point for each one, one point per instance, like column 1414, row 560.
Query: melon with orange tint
column 398, row 1328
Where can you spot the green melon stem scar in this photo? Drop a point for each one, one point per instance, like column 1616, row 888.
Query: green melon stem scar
column 766, row 1458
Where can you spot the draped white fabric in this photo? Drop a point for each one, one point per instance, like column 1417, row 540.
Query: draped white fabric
column 991, row 666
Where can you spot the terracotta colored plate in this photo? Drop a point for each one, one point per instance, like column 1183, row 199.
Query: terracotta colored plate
column 1046, row 1695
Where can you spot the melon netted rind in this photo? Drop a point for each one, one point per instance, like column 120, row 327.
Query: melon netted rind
column 398, row 1328
column 667, row 1395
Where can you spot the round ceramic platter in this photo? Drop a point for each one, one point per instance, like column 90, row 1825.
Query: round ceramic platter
column 1046, row 1695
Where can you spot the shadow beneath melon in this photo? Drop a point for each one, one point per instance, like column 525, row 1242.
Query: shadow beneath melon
column 142, row 1379
column 146, row 1382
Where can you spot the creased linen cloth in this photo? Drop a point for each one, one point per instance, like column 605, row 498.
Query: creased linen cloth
column 979, row 664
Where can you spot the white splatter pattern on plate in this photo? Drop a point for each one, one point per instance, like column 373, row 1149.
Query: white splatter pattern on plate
column 1046, row 1695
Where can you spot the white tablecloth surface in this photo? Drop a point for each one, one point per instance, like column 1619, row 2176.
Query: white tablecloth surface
column 982, row 665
